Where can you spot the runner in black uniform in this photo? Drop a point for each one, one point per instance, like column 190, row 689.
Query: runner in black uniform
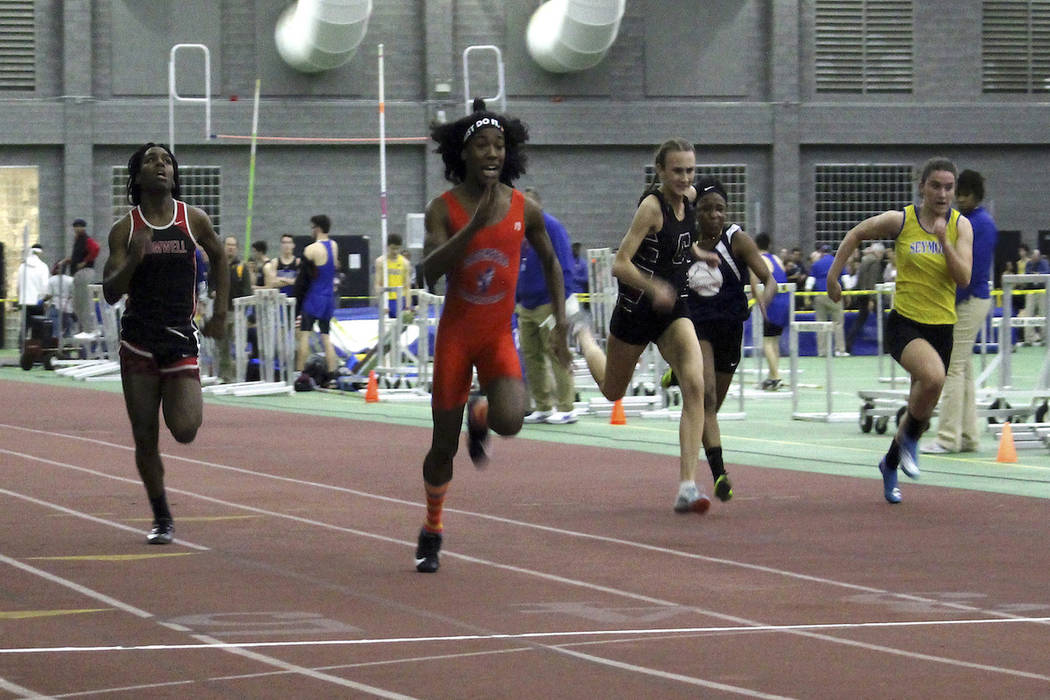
column 718, row 307
column 152, row 259
column 650, row 265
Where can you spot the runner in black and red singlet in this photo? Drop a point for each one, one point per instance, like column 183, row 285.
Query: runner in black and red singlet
column 152, row 259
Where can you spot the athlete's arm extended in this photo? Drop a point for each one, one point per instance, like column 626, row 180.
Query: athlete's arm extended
column 882, row 227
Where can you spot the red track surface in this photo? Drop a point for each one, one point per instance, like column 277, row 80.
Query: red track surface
column 565, row 573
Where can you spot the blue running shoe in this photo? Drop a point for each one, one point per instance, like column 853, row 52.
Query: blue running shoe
column 889, row 483
column 909, row 462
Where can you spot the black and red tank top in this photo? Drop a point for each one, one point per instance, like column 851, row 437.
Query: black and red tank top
column 162, row 290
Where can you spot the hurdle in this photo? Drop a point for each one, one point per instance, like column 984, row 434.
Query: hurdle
column 1008, row 322
column 275, row 337
column 882, row 290
column 102, row 346
column 601, row 289
column 402, row 375
column 757, row 351
column 1028, row 401
column 394, row 361
column 828, row 415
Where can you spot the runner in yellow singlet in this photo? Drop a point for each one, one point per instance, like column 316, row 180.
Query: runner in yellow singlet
column 933, row 250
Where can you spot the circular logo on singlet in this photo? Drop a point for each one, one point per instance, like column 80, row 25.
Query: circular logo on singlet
column 704, row 279
column 479, row 275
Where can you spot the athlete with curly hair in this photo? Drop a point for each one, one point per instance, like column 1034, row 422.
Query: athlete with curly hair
column 474, row 234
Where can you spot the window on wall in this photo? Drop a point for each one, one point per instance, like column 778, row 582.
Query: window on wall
column 863, row 46
column 19, row 224
column 199, row 185
column 847, row 194
column 1015, row 46
column 17, row 45
column 732, row 177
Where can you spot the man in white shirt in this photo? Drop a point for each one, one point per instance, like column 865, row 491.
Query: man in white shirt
column 32, row 280
column 60, row 295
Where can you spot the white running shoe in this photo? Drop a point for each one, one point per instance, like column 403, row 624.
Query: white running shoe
column 537, row 416
column 561, row 418
column 692, row 500
column 934, row 448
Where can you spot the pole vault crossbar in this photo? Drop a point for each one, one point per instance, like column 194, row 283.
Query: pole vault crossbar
column 174, row 96
column 323, row 139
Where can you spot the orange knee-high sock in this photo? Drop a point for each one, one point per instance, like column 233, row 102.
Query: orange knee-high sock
column 435, row 502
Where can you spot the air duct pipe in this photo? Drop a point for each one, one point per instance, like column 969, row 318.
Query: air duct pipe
column 573, row 35
column 318, row 35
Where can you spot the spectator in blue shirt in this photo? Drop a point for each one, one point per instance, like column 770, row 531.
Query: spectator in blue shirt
column 1035, row 304
column 824, row 308
column 536, row 323
column 580, row 268
column 957, row 429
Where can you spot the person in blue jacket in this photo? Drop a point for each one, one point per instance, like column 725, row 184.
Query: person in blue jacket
column 957, row 429
column 551, row 404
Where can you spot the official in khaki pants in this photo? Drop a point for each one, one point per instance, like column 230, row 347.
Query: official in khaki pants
column 957, row 429
column 551, row 404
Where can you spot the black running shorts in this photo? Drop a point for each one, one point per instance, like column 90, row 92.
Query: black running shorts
column 642, row 325
column 901, row 330
column 725, row 337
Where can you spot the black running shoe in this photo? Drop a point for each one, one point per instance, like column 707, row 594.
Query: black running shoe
column 723, row 489
column 162, row 532
column 478, row 430
column 427, row 552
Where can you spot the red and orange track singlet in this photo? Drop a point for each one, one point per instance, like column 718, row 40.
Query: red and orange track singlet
column 475, row 325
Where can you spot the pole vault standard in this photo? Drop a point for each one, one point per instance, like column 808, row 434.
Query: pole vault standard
column 388, row 344
column 251, row 176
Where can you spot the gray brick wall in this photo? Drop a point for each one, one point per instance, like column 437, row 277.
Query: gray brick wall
column 592, row 133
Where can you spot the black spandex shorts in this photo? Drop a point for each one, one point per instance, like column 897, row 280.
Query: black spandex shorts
column 900, row 330
column 642, row 325
column 306, row 323
column 771, row 330
column 725, row 337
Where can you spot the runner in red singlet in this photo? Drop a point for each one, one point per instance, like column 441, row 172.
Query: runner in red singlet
column 474, row 234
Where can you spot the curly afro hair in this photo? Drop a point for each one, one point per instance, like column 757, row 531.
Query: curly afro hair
column 451, row 137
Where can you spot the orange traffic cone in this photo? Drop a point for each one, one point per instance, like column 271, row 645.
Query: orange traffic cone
column 618, row 417
column 372, row 392
column 1007, row 450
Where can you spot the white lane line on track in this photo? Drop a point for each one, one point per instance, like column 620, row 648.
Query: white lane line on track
column 209, row 641
column 587, row 585
column 635, row 633
column 85, row 516
column 961, row 607
column 19, row 690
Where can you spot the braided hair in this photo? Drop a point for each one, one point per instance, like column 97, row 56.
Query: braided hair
column 135, row 165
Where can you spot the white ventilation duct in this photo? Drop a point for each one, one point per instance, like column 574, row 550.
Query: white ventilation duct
column 573, row 35
column 318, row 35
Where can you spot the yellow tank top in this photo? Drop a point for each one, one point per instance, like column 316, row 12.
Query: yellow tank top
column 925, row 289
column 395, row 273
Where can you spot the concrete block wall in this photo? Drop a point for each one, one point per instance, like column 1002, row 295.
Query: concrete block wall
column 592, row 133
